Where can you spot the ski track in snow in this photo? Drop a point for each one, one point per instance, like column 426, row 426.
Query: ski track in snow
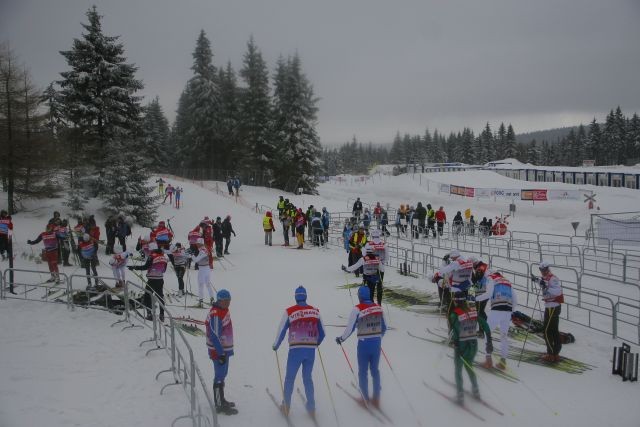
column 62, row 368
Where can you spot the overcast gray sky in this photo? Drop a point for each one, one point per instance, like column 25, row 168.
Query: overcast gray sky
column 378, row 66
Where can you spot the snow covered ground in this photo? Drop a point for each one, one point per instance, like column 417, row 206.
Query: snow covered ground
column 63, row 368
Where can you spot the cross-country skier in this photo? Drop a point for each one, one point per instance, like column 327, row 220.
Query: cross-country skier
column 162, row 235
column 501, row 297
column 50, row 241
column 553, row 297
column 204, row 261
column 305, row 334
column 380, row 250
column 156, row 265
column 160, row 182
column 6, row 228
column 368, row 318
column 179, row 258
column 178, row 192
column 62, row 233
column 168, row 192
column 118, row 263
column 370, row 265
column 220, row 344
column 464, row 323
column 88, row 248
column 459, row 271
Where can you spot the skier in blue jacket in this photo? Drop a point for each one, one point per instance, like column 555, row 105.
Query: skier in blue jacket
column 305, row 334
column 368, row 318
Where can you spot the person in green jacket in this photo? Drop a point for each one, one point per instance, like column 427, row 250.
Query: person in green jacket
column 464, row 325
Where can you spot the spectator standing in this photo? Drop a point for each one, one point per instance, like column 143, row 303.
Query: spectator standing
column 227, row 229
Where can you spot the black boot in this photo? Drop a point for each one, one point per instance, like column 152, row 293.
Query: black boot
column 224, row 401
column 218, row 399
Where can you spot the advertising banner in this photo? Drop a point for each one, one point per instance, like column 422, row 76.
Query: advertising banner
column 535, row 195
column 506, row 193
column 485, row 192
column 444, row 188
column 563, row 194
column 457, row 190
column 468, row 191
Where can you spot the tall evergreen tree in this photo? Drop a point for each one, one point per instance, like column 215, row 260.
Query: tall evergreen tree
column 510, row 143
column 230, row 149
column 593, row 144
column 397, row 150
column 501, row 142
column 28, row 158
column 98, row 95
column 155, row 135
column 196, row 127
column 255, row 111
column 296, row 117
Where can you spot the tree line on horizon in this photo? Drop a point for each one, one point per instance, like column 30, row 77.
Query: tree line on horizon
column 614, row 142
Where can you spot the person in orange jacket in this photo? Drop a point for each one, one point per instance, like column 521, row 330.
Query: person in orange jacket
column 441, row 219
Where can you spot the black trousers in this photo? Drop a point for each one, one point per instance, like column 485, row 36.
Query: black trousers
column 154, row 285
column 551, row 331
column 375, row 289
column 180, row 270
column 227, row 242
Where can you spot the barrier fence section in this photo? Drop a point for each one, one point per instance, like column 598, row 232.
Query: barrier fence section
column 169, row 337
column 613, row 310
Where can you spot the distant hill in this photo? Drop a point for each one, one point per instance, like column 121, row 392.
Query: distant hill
column 550, row 135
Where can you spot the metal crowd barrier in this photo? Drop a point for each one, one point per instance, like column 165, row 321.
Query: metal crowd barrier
column 168, row 337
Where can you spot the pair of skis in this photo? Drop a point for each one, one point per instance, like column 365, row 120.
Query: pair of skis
column 463, row 406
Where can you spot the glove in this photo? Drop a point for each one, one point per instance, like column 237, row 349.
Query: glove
column 535, row 279
column 343, row 268
column 435, row 278
column 543, row 284
column 489, row 347
column 31, row 243
column 130, row 267
column 222, row 359
column 339, row 340
column 274, row 348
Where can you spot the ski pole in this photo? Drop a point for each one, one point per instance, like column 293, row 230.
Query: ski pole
column 529, row 327
column 404, row 393
column 333, row 405
column 280, row 376
column 366, row 403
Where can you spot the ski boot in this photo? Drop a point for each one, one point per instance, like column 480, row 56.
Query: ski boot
column 58, row 279
column 222, row 406
column 459, row 398
column 375, row 402
column 51, row 279
column 547, row 358
column 502, row 364
column 488, row 363
column 475, row 392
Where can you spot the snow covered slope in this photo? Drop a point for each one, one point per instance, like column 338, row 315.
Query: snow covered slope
column 64, row 368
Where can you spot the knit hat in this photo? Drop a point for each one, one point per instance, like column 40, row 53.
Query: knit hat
column 223, row 294
column 301, row 294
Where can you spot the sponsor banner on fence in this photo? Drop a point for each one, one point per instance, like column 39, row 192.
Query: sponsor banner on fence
column 484, row 192
column 444, row 188
column 457, row 190
column 506, row 193
column 468, row 191
column 535, row 195
column 563, row 194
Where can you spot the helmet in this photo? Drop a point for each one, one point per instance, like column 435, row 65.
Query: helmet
column 544, row 265
column 301, row 294
column 454, row 254
column 223, row 294
column 200, row 241
column 364, row 294
column 153, row 246
column 368, row 249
